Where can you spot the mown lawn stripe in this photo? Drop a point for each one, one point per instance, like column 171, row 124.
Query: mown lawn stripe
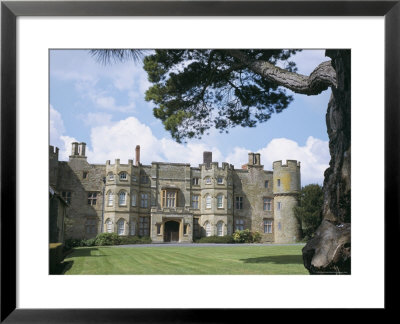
column 187, row 260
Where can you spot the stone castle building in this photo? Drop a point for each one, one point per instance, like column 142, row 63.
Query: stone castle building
column 174, row 201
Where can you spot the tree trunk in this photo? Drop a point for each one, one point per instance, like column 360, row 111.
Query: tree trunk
column 329, row 251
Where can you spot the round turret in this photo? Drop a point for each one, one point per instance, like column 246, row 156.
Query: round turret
column 286, row 186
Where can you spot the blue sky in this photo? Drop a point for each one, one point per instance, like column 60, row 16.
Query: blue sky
column 104, row 106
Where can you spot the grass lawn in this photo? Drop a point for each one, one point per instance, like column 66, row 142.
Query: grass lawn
column 221, row 260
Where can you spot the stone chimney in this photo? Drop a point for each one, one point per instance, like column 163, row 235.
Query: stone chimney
column 207, row 158
column 137, row 155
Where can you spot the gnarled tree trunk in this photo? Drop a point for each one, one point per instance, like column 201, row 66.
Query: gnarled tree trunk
column 329, row 251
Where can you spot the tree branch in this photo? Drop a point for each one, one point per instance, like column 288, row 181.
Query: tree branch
column 320, row 79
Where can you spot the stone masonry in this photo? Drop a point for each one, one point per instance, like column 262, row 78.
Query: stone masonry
column 174, row 201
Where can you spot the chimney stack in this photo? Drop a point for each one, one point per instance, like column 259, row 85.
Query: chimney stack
column 137, row 155
column 207, row 158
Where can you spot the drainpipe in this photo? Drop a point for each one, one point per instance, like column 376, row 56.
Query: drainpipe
column 102, row 209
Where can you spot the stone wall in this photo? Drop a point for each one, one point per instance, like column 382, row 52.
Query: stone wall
column 134, row 181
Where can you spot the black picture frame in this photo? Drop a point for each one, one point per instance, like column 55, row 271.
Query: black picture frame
column 10, row 10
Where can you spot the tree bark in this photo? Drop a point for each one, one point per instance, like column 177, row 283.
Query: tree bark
column 329, row 251
column 320, row 79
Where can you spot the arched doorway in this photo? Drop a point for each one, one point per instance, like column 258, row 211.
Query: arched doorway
column 171, row 231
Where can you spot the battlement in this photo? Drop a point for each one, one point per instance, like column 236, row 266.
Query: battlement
column 290, row 164
column 215, row 166
column 53, row 151
column 119, row 164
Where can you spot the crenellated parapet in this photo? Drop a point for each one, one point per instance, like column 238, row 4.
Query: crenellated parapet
column 53, row 152
column 286, row 177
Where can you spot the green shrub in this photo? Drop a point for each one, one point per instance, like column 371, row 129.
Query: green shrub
column 215, row 239
column 89, row 242
column 135, row 240
column 256, row 237
column 71, row 243
column 55, row 255
column 246, row 236
column 103, row 239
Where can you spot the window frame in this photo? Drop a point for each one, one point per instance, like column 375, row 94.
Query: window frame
column 121, row 221
column 220, row 228
column 268, row 224
column 144, row 179
column 110, row 198
column 220, row 199
column 109, row 226
column 125, row 194
column 169, row 198
column 123, row 176
column 239, row 202
column 133, row 199
column 66, row 195
column 196, row 201
column 144, row 224
column 267, row 204
column 208, row 203
column 132, row 228
column 92, row 198
column 239, row 224
column 144, row 200
column 89, row 225
column 207, row 226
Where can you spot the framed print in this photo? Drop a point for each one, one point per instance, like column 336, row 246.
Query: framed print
column 33, row 30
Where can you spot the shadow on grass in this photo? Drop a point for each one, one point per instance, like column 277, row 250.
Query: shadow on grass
column 85, row 252
column 277, row 259
column 62, row 267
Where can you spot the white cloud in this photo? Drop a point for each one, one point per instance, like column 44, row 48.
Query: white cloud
column 96, row 119
column 56, row 124
column 308, row 60
column 314, row 156
column 120, row 82
column 117, row 140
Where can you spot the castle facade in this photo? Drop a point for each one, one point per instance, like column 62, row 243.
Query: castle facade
column 174, row 202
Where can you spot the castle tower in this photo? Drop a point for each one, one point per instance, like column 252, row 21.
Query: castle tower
column 286, row 187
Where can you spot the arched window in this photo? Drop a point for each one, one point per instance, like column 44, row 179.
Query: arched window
column 208, row 201
column 220, row 228
column 121, row 227
column 220, row 201
column 208, row 229
column 133, row 199
column 122, row 198
column 123, row 176
column 132, row 228
column 110, row 201
column 109, row 226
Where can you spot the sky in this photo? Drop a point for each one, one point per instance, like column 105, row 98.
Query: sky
column 104, row 106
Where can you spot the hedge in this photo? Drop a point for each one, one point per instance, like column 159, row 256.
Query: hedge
column 105, row 239
column 56, row 256
column 215, row 239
